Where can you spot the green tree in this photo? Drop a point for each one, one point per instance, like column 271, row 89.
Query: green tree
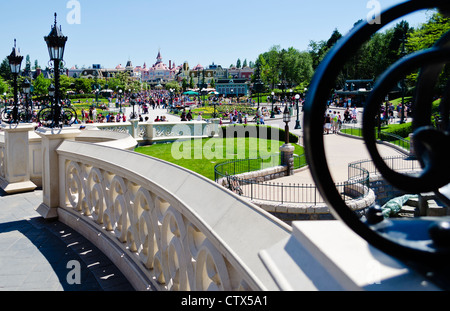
column 238, row 63
column 27, row 64
column 425, row 37
column 5, row 70
column 184, row 84
column 429, row 32
column 4, row 87
column 82, row 85
column 173, row 85
column 41, row 85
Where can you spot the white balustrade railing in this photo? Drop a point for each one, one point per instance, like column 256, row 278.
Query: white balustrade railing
column 181, row 231
column 160, row 131
column 2, row 160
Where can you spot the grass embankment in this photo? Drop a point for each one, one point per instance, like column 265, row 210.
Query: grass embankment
column 201, row 156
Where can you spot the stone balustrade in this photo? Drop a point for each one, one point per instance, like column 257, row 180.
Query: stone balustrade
column 165, row 227
column 150, row 132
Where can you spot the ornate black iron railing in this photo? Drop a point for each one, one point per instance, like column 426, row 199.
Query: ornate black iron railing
column 421, row 240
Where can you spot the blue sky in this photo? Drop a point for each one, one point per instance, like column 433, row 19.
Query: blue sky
column 197, row 31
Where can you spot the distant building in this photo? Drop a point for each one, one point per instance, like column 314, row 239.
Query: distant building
column 356, row 91
column 233, row 87
column 159, row 72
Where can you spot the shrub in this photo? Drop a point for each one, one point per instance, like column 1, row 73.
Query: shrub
column 233, row 130
column 402, row 130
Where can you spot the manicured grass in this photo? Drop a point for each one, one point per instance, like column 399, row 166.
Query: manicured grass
column 201, row 156
column 78, row 106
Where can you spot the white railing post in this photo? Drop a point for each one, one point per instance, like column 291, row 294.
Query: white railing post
column 16, row 177
column 51, row 139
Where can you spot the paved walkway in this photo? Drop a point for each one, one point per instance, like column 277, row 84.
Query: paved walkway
column 340, row 151
column 40, row 255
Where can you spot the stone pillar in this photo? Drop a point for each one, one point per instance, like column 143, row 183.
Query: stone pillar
column 134, row 128
column 16, row 159
column 51, row 139
column 287, row 158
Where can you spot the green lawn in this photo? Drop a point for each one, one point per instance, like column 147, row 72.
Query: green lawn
column 201, row 156
column 82, row 104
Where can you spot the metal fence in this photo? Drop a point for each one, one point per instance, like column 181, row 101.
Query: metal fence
column 298, row 193
column 356, row 187
column 395, row 163
column 382, row 136
column 236, row 167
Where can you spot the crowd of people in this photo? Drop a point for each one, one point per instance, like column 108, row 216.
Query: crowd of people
column 333, row 120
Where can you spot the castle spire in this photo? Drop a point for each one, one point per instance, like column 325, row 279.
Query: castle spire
column 159, row 58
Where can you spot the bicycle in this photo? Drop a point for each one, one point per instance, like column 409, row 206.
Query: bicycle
column 23, row 115
column 57, row 116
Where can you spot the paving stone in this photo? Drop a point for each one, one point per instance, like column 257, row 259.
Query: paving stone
column 34, row 252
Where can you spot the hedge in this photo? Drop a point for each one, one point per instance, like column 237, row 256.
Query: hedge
column 402, row 130
column 234, row 130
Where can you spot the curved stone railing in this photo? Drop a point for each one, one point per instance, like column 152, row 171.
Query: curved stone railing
column 165, row 227
column 150, row 132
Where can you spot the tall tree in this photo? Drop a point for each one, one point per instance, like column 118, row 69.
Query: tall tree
column 5, row 70
column 4, row 87
column 41, row 85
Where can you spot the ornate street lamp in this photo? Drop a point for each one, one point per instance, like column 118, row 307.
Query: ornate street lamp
column 286, row 119
column 133, row 103
column 120, row 101
column 215, row 99
column 56, row 43
column 15, row 62
column 272, row 114
column 258, row 86
column 297, row 123
column 26, row 88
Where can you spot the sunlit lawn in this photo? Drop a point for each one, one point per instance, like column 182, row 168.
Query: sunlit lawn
column 202, row 155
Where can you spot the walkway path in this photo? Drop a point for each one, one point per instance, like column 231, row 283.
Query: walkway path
column 41, row 255
column 340, row 151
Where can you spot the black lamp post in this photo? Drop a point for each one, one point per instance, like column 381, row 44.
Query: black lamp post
column 258, row 88
column 272, row 114
column 56, row 43
column 97, row 91
column 286, row 119
column 15, row 62
column 26, row 88
column 171, row 97
column 133, row 103
column 215, row 99
column 120, row 101
column 297, row 123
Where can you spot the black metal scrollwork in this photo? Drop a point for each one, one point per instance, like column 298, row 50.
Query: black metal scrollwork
column 419, row 239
